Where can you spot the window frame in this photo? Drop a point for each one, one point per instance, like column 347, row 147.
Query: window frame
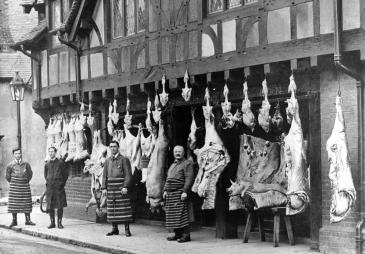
column 124, row 33
column 226, row 7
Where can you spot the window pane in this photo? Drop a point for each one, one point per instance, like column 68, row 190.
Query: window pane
column 56, row 13
column 129, row 17
column 234, row 3
column 141, row 15
column 215, row 6
column 250, row 1
column 117, row 18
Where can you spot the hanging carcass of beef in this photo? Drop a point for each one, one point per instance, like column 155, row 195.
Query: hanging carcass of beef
column 212, row 158
column 342, row 187
column 295, row 157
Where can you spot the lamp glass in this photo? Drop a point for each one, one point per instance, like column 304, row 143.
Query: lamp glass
column 17, row 87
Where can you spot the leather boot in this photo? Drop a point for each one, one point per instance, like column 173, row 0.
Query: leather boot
column 176, row 236
column 51, row 216
column 114, row 231
column 127, row 231
column 28, row 221
column 59, row 218
column 15, row 221
column 185, row 235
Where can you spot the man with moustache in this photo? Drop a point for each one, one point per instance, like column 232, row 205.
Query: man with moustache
column 179, row 180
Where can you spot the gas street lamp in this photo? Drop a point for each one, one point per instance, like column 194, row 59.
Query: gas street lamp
column 17, row 87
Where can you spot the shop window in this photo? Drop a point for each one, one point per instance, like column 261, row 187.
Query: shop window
column 215, row 6
column 128, row 17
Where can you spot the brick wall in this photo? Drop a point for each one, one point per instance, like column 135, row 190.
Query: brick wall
column 339, row 237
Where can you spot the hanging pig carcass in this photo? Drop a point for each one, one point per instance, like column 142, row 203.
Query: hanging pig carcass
column 157, row 169
column 212, row 158
column 342, row 187
column 295, row 158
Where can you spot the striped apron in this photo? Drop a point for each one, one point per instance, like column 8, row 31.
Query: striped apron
column 20, row 198
column 119, row 209
column 177, row 211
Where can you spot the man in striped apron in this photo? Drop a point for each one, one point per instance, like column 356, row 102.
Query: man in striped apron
column 117, row 176
column 18, row 174
column 180, row 178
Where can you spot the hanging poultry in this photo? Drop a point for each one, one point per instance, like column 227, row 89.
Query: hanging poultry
column 277, row 119
column 110, row 125
column 186, row 91
column 212, row 159
column 157, row 169
column 164, row 97
column 295, row 158
column 264, row 117
column 342, row 187
column 227, row 118
column 248, row 117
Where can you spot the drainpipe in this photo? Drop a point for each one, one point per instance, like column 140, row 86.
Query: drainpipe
column 337, row 5
column 79, row 95
column 39, row 68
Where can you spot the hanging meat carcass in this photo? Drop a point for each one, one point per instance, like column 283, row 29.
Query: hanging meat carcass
column 264, row 117
column 343, row 190
column 295, row 158
column 157, row 169
column 248, row 118
column 212, row 159
column 94, row 166
column 50, row 136
column 227, row 118
column 186, row 91
column 63, row 151
column 81, row 141
column 191, row 145
column 114, row 115
column 260, row 174
column 72, row 139
column 277, row 120
column 129, row 144
column 147, row 144
column 156, row 114
column 90, row 119
column 164, row 97
column 110, row 125
column 57, row 130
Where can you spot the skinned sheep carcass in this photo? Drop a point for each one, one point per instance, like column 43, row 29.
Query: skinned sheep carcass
column 248, row 118
column 264, row 117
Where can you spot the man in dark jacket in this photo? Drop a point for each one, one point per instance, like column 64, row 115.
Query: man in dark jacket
column 19, row 174
column 56, row 174
column 180, row 178
column 117, row 176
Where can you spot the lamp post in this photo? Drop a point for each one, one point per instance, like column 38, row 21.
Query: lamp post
column 17, row 87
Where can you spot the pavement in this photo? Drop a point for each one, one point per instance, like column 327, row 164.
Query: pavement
column 146, row 239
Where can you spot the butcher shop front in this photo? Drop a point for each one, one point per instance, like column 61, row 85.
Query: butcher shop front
column 266, row 97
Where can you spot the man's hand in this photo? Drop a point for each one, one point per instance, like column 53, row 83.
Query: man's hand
column 104, row 192
column 124, row 191
column 164, row 195
column 184, row 196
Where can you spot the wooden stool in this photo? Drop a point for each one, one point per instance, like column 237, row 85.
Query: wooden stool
column 278, row 212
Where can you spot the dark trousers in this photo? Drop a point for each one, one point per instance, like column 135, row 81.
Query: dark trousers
column 185, row 231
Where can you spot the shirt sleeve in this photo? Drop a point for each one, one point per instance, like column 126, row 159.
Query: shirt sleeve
column 29, row 172
column 8, row 173
column 105, row 172
column 189, row 176
column 127, row 172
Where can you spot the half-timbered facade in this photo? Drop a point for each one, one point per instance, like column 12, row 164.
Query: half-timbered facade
column 97, row 50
